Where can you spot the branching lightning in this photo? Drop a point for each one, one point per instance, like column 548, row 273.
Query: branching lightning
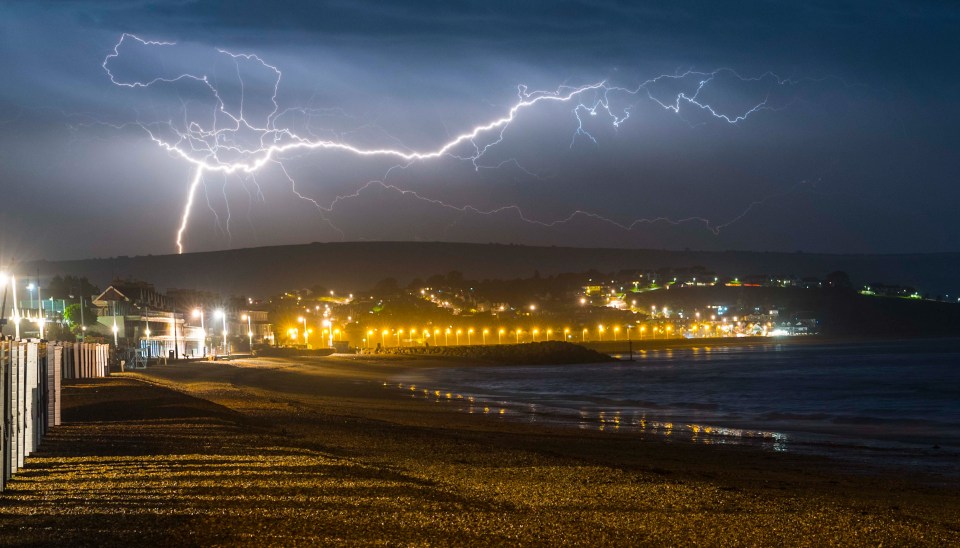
column 232, row 143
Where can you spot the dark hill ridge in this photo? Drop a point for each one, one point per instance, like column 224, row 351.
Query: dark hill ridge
column 354, row 266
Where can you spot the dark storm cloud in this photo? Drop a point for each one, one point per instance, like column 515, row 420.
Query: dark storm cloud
column 858, row 160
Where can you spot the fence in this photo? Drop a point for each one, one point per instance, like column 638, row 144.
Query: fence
column 30, row 375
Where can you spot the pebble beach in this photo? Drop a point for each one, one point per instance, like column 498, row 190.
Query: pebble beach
column 327, row 451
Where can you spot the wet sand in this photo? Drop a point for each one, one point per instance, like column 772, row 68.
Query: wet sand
column 319, row 451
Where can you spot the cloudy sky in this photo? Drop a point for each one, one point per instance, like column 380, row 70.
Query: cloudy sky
column 852, row 148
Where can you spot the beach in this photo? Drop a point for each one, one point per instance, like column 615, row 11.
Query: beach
column 330, row 451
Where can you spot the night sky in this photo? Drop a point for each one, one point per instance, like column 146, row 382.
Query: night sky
column 853, row 150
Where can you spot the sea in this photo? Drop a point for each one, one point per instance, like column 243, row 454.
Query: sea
column 890, row 404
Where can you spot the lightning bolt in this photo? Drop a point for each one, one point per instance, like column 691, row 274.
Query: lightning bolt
column 218, row 146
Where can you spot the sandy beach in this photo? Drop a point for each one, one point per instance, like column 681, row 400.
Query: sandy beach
column 328, row 451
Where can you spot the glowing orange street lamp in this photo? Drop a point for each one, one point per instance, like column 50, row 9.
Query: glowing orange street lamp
column 383, row 337
column 616, row 330
column 470, row 336
column 446, row 337
column 485, row 331
column 566, row 333
column 583, row 335
column 459, row 331
column 600, row 330
column 535, row 333
column 500, row 335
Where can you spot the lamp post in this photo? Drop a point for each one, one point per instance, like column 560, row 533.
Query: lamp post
column 459, row 331
column 485, row 331
column 4, row 278
column 249, row 331
column 223, row 316
column 198, row 313
column 306, row 335
column 470, row 336
column 30, row 288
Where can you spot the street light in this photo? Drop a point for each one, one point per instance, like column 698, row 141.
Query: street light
column 500, row 335
column 198, row 313
column 459, row 331
column 470, row 336
column 249, row 331
column 616, row 330
column 485, row 331
column 222, row 315
column 306, row 339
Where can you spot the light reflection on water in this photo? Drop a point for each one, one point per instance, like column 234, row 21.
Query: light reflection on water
column 601, row 421
column 896, row 400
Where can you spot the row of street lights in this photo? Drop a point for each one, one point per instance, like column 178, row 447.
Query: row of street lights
column 456, row 333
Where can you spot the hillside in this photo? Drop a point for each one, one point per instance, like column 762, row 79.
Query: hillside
column 353, row 266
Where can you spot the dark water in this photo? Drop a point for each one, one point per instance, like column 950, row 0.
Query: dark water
column 895, row 403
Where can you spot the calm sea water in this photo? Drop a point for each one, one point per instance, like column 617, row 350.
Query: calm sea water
column 886, row 403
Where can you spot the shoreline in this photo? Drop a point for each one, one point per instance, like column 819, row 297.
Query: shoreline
column 456, row 477
column 374, row 383
column 622, row 347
